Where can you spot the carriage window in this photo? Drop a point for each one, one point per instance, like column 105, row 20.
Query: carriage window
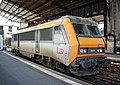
column 46, row 34
column 27, row 36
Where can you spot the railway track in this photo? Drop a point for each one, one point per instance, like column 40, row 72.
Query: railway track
column 109, row 75
column 113, row 68
column 100, row 80
column 107, row 81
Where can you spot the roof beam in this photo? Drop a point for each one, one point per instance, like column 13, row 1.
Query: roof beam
column 31, row 18
column 40, row 5
column 56, row 4
column 55, row 14
column 49, row 11
column 35, row 8
column 13, row 15
column 14, row 11
column 59, row 5
column 23, row 7
column 72, row 8
column 47, row 2
column 29, row 6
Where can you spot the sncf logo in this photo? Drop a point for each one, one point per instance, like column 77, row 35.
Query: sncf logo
column 60, row 51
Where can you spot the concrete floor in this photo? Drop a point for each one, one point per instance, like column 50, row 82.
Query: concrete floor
column 14, row 72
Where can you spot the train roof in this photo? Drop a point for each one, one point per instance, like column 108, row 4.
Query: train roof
column 73, row 19
column 76, row 19
column 39, row 26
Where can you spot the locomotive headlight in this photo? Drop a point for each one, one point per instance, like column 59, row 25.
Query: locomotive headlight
column 81, row 50
column 85, row 50
column 98, row 50
column 101, row 50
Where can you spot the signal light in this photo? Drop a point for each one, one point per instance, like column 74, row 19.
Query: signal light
column 100, row 45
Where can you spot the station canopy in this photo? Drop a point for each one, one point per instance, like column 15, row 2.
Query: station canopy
column 30, row 10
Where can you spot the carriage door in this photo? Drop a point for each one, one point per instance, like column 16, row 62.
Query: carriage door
column 61, row 46
column 37, row 49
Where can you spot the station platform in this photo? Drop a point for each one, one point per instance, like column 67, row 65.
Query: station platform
column 15, row 72
column 113, row 57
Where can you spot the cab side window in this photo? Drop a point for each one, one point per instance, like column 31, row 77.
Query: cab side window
column 58, row 35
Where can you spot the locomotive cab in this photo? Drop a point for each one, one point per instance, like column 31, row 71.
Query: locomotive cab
column 90, row 47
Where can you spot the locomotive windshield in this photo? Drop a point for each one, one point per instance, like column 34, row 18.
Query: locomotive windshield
column 86, row 30
column 80, row 29
column 85, row 27
column 93, row 30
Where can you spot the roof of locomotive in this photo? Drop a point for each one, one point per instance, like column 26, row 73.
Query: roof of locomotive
column 74, row 19
column 39, row 26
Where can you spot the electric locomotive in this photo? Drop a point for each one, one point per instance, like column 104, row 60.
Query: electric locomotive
column 70, row 44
